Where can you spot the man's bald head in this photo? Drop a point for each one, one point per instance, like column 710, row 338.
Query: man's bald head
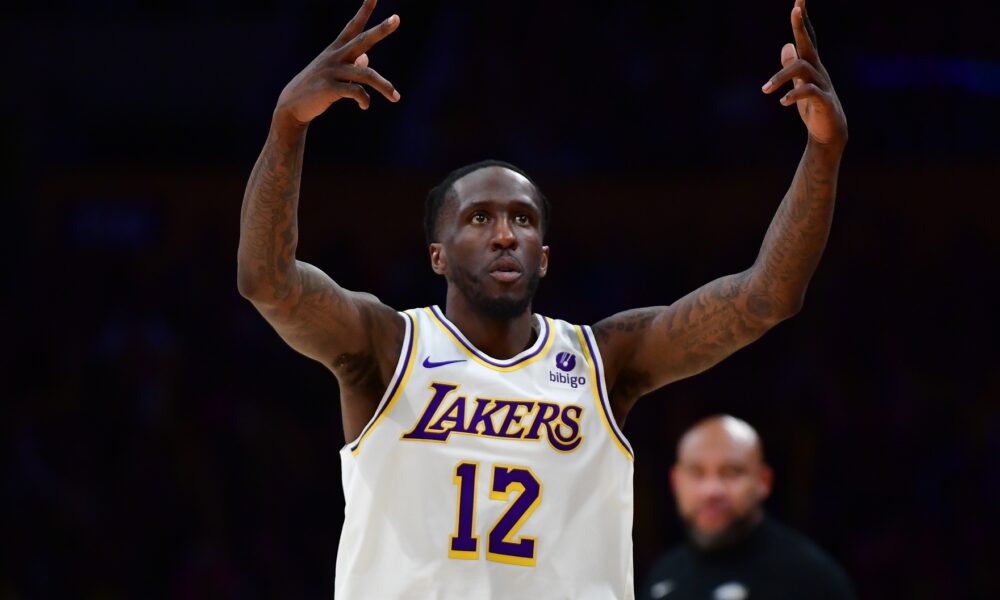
column 720, row 480
column 722, row 432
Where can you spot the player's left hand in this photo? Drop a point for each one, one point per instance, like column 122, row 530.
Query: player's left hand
column 813, row 91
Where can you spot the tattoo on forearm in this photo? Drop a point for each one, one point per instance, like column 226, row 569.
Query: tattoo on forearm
column 268, row 219
column 797, row 235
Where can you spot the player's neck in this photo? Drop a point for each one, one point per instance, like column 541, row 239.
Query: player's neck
column 498, row 338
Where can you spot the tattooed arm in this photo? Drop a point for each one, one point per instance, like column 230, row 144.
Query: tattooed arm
column 645, row 349
column 352, row 333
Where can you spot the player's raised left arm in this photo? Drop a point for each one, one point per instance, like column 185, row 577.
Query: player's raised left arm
column 645, row 349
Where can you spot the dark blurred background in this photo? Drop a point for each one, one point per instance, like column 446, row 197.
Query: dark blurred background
column 158, row 438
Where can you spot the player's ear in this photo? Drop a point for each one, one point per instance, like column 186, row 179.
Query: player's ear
column 673, row 479
column 765, row 482
column 543, row 267
column 438, row 261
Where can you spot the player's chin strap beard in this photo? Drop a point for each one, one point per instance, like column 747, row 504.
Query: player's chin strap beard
column 503, row 308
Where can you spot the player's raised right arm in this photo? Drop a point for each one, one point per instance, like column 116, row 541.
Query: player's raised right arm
column 308, row 309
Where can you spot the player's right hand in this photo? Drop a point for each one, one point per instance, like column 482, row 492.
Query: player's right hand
column 339, row 71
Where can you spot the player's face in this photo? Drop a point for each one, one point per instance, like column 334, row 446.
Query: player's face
column 719, row 483
column 491, row 241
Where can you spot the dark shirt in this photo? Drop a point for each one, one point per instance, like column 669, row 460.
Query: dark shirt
column 771, row 562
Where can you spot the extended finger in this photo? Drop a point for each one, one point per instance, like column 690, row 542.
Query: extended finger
column 369, row 77
column 802, row 71
column 809, row 90
column 804, row 35
column 363, row 42
column 356, row 25
column 788, row 55
column 352, row 90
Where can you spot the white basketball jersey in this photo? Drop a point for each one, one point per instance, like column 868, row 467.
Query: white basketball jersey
column 480, row 478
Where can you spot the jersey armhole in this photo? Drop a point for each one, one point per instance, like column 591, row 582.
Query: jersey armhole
column 396, row 383
column 589, row 347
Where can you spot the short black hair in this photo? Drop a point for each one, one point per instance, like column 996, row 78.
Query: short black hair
column 442, row 192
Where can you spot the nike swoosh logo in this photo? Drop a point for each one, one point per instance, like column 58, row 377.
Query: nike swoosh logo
column 428, row 364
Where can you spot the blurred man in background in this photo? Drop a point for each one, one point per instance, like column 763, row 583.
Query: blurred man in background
column 734, row 551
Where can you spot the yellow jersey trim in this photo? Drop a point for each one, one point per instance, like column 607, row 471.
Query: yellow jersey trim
column 605, row 412
column 410, row 349
column 539, row 353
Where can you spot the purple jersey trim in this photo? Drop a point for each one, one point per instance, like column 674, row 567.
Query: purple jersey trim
column 540, row 344
column 395, row 385
column 605, row 406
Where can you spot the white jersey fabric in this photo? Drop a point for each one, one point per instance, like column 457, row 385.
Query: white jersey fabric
column 480, row 478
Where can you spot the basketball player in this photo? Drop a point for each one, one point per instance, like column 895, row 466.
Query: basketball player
column 485, row 457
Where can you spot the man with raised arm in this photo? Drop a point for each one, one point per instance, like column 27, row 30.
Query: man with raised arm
column 485, row 457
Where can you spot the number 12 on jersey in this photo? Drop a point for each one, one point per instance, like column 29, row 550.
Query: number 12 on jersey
column 502, row 543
